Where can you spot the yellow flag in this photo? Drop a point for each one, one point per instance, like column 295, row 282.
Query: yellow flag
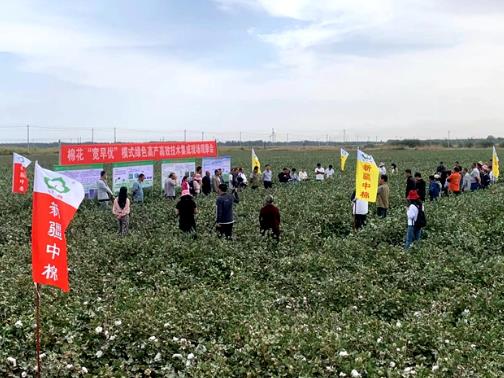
column 366, row 179
column 495, row 164
column 255, row 161
column 343, row 159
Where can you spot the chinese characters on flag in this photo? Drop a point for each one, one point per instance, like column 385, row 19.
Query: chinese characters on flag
column 56, row 198
column 366, row 181
column 124, row 152
column 20, row 181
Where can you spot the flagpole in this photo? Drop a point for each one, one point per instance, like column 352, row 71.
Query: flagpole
column 37, row 329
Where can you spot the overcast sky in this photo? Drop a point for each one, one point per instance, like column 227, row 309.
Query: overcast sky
column 311, row 68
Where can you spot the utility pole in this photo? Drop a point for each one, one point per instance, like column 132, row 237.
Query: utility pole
column 115, row 139
column 448, row 138
column 287, row 138
column 202, row 135
column 240, row 139
column 185, row 135
column 92, row 135
column 28, row 137
column 344, row 135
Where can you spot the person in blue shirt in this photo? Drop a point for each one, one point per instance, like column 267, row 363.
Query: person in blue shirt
column 137, row 189
column 434, row 187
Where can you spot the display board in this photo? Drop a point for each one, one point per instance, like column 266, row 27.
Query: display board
column 125, row 174
column 179, row 167
column 220, row 162
column 87, row 175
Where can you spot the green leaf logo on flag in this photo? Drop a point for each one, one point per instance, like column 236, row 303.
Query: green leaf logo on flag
column 57, row 184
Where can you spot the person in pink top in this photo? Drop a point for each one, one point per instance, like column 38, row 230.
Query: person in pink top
column 121, row 210
column 184, row 185
column 197, row 179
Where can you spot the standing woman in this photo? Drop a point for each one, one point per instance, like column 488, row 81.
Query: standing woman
column 197, row 180
column 184, row 185
column 254, row 178
column 121, row 210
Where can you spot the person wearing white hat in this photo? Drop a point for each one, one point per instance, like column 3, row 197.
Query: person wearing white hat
column 435, row 187
column 383, row 169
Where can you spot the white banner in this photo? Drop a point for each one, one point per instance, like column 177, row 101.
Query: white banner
column 221, row 162
column 180, row 168
column 86, row 175
column 126, row 174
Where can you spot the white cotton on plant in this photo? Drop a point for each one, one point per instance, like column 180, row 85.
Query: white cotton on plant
column 18, row 324
column 12, row 361
column 355, row 374
column 157, row 357
column 435, row 368
column 392, row 364
column 118, row 322
column 152, row 338
column 69, row 366
column 99, row 354
column 99, row 329
column 178, row 355
column 84, row 370
column 190, row 356
column 24, row 374
column 343, row 353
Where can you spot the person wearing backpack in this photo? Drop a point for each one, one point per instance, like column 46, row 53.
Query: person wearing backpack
column 416, row 218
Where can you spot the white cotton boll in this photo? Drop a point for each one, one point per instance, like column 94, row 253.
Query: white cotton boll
column 166, row 325
column 24, row 374
column 176, row 339
column 99, row 354
column 18, row 324
column 69, row 366
column 435, row 368
column 343, row 353
column 152, row 338
column 379, row 340
column 190, row 356
column 178, row 355
column 355, row 374
column 466, row 312
column 342, row 374
column 84, row 370
column 398, row 324
column 98, row 329
column 157, row 358
column 12, row 361
column 392, row 364
column 118, row 323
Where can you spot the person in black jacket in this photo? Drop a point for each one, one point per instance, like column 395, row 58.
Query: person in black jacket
column 421, row 186
column 410, row 182
column 225, row 219
column 206, row 184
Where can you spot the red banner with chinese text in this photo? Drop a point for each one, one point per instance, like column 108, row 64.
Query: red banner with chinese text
column 71, row 154
column 20, row 182
column 56, row 198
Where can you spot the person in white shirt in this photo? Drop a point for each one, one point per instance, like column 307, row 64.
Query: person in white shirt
column 303, row 176
column 330, row 171
column 360, row 210
column 103, row 192
column 267, row 177
column 414, row 204
column 383, row 169
column 319, row 173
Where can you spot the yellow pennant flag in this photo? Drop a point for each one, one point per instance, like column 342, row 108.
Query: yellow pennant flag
column 255, row 161
column 495, row 164
column 343, row 158
column 366, row 179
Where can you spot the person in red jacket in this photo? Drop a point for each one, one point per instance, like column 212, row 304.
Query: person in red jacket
column 269, row 218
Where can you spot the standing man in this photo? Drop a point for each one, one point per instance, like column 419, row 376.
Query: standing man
column 319, row 172
column 421, row 186
column 269, row 218
column 216, row 181
column 410, row 181
column 454, row 181
column 268, row 177
column 382, row 199
column 225, row 219
column 360, row 210
column 170, row 186
column 206, row 184
column 475, row 177
column 103, row 192
column 137, row 189
column 383, row 169
column 466, row 181
column 330, row 171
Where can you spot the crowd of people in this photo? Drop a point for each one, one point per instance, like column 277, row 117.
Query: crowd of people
column 443, row 182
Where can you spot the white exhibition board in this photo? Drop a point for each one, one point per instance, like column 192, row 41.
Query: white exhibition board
column 125, row 174
column 221, row 162
column 87, row 175
column 180, row 168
